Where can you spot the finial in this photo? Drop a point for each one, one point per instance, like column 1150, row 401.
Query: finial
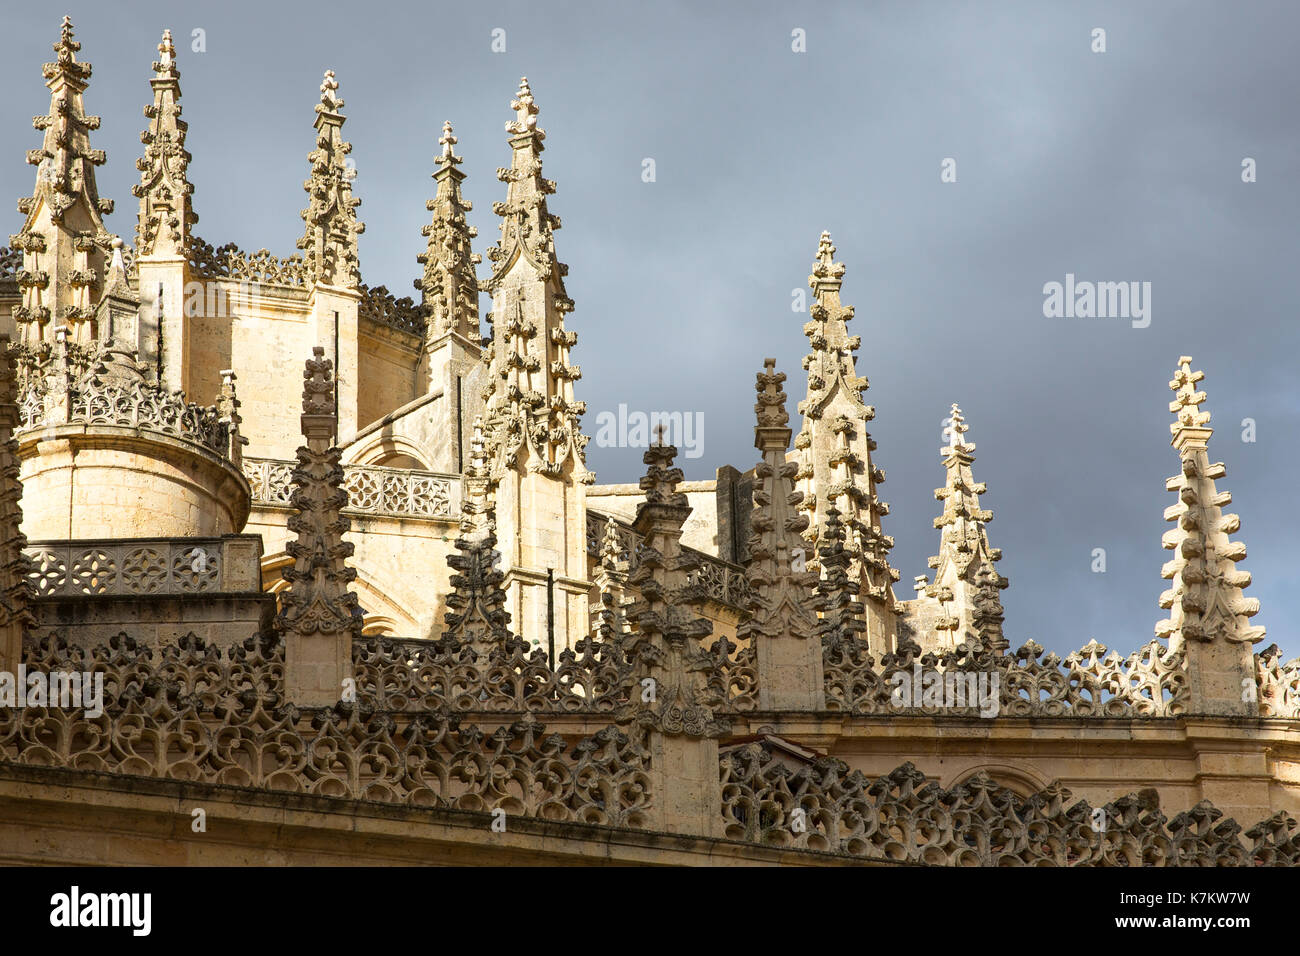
column 66, row 45
column 770, row 406
column 318, row 384
column 66, row 60
column 1193, row 424
column 957, row 427
column 117, row 264
column 329, row 98
column 610, row 545
column 166, row 51
column 659, row 434
column 827, row 273
column 525, row 108
column 447, row 141
column 825, row 250
column 477, row 453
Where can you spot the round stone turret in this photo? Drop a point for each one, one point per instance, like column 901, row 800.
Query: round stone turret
column 105, row 452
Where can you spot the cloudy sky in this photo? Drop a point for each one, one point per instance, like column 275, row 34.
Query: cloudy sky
column 1123, row 165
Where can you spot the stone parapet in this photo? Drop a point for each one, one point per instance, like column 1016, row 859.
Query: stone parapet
column 159, row 590
column 372, row 489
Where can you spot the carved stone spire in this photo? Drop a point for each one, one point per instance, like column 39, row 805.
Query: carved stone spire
column 319, row 615
column 449, row 285
column 533, row 418
column 841, row 626
column 15, row 591
column 476, row 615
column 962, row 604
column 669, row 669
column 228, row 404
column 835, row 450
column 117, row 315
column 64, row 243
column 1204, row 600
column 781, row 606
column 609, row 618
column 532, row 423
column 477, row 513
column 164, row 189
column 664, row 647
column 329, row 243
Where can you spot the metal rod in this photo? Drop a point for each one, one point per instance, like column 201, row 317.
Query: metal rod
column 550, row 615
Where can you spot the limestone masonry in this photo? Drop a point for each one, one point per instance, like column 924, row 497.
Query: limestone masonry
column 383, row 613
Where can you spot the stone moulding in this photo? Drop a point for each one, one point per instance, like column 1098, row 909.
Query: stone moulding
column 903, row 818
column 372, row 489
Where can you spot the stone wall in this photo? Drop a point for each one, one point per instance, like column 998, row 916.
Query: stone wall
column 100, row 481
column 157, row 590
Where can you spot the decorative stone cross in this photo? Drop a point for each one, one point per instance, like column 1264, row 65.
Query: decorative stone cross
column 447, row 141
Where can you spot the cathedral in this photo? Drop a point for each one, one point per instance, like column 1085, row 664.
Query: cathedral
column 328, row 562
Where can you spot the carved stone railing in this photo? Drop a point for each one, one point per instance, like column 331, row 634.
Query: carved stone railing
column 45, row 400
column 217, row 716
column 1279, row 684
column 381, row 306
column 226, row 707
column 11, row 260
column 144, row 566
column 230, row 262
column 903, row 818
column 731, row 684
column 722, row 581
column 372, row 489
column 410, row 674
column 1150, row 682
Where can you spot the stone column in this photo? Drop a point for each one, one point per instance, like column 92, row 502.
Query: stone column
column 319, row 616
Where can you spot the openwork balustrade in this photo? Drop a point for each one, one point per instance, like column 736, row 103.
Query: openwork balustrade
column 1150, row 682
column 137, row 567
column 198, row 713
column 902, row 817
column 130, row 404
column 372, row 489
column 230, row 262
column 722, row 581
column 379, row 305
column 1279, row 684
column 413, row 675
column 11, row 260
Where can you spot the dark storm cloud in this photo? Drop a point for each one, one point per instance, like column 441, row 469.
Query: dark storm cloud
column 1112, row 167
